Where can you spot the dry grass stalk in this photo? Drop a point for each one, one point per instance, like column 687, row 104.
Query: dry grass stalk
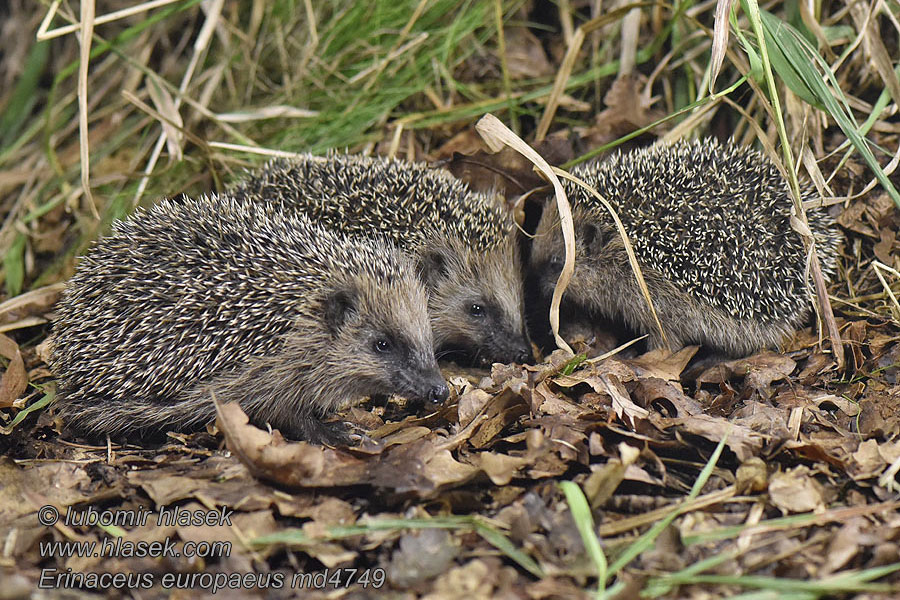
column 497, row 135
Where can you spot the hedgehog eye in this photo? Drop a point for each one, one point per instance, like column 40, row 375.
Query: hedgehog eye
column 382, row 345
column 476, row 310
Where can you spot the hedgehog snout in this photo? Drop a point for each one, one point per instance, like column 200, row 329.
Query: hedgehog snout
column 426, row 386
column 438, row 393
column 514, row 349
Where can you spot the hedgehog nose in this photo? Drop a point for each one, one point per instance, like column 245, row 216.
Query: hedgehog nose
column 523, row 356
column 438, row 393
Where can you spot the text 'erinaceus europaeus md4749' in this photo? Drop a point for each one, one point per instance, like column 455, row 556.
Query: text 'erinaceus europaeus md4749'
column 206, row 296
column 710, row 225
column 463, row 241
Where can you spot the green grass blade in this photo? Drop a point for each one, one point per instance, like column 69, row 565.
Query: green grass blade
column 800, row 57
column 46, row 400
column 23, row 98
column 584, row 521
column 646, row 541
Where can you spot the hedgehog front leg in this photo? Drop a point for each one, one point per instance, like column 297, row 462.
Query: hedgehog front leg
column 315, row 431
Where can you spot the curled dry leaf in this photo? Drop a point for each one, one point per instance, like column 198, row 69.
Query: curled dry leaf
column 525, row 57
column 743, row 441
column 293, row 464
column 15, row 380
column 666, row 396
column 796, row 491
column 626, row 109
column 663, row 363
column 752, row 476
column 758, row 371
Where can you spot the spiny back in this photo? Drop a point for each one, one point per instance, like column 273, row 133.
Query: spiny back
column 715, row 220
column 407, row 201
column 194, row 287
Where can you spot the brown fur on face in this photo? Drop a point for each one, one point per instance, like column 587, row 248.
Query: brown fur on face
column 474, row 299
column 463, row 242
column 710, row 227
column 217, row 296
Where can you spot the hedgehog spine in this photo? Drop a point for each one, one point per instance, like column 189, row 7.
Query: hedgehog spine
column 463, row 241
column 710, row 225
column 217, row 295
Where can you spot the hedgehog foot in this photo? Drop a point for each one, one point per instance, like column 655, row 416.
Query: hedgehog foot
column 315, row 431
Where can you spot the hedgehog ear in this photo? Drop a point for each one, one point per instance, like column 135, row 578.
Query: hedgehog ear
column 593, row 237
column 432, row 266
column 340, row 305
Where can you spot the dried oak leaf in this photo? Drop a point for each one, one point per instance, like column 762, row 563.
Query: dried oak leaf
column 299, row 464
column 626, row 109
column 663, row 363
column 507, row 171
column 796, row 491
column 743, row 441
column 15, row 380
column 758, row 371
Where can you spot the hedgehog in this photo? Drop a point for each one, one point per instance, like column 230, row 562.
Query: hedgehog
column 217, row 297
column 710, row 226
column 463, row 242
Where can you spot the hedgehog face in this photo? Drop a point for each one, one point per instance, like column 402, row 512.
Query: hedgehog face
column 381, row 338
column 475, row 301
column 598, row 257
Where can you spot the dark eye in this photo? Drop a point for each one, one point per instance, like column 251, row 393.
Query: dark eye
column 382, row 345
column 476, row 310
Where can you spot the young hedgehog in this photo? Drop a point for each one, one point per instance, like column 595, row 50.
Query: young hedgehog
column 206, row 296
column 463, row 242
column 710, row 227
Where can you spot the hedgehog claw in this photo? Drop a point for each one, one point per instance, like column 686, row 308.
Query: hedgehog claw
column 325, row 434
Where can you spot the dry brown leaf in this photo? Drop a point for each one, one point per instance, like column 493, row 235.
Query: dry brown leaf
column 880, row 413
column 741, row 440
column 626, row 109
column 15, row 380
column 499, row 467
column 548, row 403
column 298, row 464
column 664, row 363
column 500, row 412
column 844, row 545
column 624, row 407
column 884, row 246
column 164, row 489
column 758, row 371
column 525, row 57
column 796, row 491
column 443, row 469
column 666, row 396
column 471, row 404
column 752, row 476
column 507, row 171
column 867, row 461
column 405, row 436
column 422, row 555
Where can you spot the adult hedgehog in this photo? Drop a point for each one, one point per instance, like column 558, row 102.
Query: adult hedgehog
column 214, row 296
column 463, row 242
column 710, row 225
